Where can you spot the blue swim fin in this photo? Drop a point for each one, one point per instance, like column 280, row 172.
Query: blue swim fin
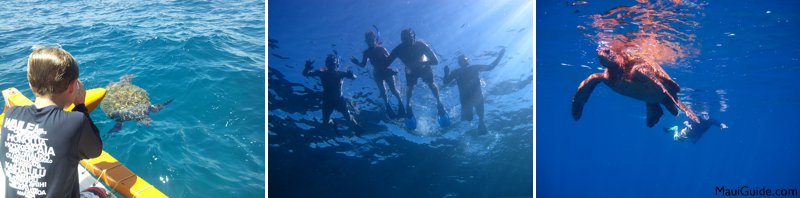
column 411, row 122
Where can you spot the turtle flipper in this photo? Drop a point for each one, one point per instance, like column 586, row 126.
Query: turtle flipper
column 670, row 107
column 650, row 74
column 654, row 113
column 117, row 127
column 584, row 91
column 146, row 121
column 158, row 107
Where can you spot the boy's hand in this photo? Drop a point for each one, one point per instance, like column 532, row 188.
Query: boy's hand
column 309, row 64
column 354, row 60
column 80, row 93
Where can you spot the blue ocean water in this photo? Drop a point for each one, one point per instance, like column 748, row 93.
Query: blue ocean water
column 309, row 159
column 745, row 75
column 207, row 56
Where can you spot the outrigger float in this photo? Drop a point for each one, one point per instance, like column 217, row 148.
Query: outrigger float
column 103, row 169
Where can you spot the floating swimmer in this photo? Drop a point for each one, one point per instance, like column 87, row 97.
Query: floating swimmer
column 634, row 77
column 331, row 78
column 125, row 101
column 418, row 58
column 694, row 131
column 382, row 73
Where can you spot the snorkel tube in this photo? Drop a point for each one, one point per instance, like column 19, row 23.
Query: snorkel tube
column 378, row 35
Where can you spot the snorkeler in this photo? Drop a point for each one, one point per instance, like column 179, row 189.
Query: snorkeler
column 332, row 98
column 469, row 87
column 379, row 57
column 418, row 58
column 694, row 130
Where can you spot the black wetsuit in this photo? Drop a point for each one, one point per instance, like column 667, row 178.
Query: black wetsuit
column 42, row 147
column 332, row 91
column 411, row 55
column 698, row 129
column 469, row 88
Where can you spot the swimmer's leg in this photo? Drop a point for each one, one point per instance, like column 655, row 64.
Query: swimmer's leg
column 428, row 78
column 409, row 92
column 382, row 89
column 466, row 111
column 479, row 110
column 326, row 113
column 342, row 108
column 391, row 82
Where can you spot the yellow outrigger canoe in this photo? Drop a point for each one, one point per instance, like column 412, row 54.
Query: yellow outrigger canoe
column 104, row 168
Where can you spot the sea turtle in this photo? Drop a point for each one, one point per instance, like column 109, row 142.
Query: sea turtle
column 634, row 77
column 125, row 101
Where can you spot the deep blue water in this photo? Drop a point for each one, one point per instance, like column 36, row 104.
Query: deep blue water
column 308, row 159
column 207, row 56
column 745, row 76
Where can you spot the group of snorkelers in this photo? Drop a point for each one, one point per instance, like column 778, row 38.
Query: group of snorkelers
column 418, row 58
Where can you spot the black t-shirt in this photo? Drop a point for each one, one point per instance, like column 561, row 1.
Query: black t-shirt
column 41, row 149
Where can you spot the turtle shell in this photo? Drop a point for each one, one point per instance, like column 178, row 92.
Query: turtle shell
column 125, row 101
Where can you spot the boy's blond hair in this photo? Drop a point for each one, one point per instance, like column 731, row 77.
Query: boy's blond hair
column 50, row 70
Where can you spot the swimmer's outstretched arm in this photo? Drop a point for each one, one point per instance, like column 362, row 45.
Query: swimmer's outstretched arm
column 307, row 69
column 392, row 56
column 496, row 61
column 349, row 74
column 363, row 62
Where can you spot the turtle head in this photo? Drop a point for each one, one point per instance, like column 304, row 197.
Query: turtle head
column 609, row 58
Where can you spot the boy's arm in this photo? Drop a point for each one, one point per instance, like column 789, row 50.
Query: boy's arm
column 392, row 56
column 363, row 62
column 349, row 74
column 307, row 69
column 448, row 77
column 90, row 145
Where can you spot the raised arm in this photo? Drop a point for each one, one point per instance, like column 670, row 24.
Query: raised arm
column 496, row 61
column 307, row 69
column 363, row 62
column 90, row 145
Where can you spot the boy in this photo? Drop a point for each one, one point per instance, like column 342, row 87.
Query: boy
column 331, row 78
column 469, row 87
column 42, row 143
column 379, row 56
